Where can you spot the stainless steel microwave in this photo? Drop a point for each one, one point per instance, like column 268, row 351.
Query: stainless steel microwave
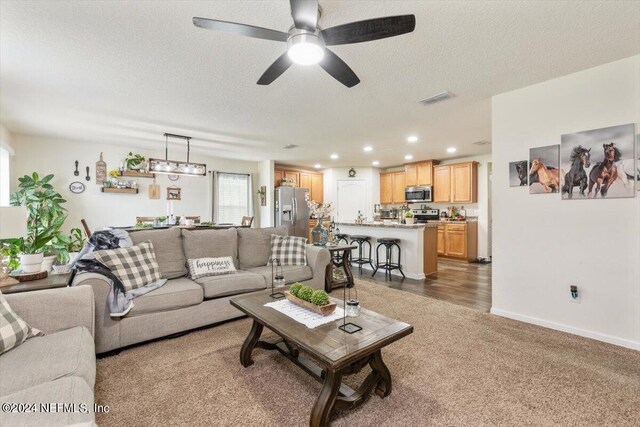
column 417, row 194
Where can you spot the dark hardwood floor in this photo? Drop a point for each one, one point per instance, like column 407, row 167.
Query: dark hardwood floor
column 455, row 282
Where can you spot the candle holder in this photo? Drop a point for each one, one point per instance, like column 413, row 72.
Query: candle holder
column 277, row 279
column 353, row 305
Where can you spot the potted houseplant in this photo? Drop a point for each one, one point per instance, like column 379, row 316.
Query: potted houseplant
column 45, row 218
column 61, row 264
column 75, row 244
column 134, row 161
column 408, row 217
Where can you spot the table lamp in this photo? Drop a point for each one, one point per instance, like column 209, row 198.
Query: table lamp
column 13, row 225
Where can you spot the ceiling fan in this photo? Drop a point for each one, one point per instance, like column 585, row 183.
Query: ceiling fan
column 307, row 43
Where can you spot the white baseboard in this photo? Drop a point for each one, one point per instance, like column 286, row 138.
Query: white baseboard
column 570, row 329
column 417, row 276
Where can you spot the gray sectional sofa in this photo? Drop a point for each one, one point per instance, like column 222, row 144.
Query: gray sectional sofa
column 57, row 367
column 183, row 304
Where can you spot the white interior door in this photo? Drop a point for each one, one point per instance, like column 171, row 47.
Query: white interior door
column 352, row 197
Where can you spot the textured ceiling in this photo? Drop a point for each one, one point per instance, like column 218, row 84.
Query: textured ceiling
column 126, row 72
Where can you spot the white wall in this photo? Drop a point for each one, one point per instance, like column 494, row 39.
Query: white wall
column 266, row 177
column 102, row 209
column 6, row 153
column 371, row 176
column 542, row 244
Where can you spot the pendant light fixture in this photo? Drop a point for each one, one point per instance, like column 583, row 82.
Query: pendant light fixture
column 176, row 167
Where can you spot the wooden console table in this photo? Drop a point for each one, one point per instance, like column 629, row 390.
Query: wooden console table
column 344, row 253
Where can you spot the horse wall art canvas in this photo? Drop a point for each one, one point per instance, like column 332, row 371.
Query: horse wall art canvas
column 544, row 174
column 518, row 173
column 599, row 163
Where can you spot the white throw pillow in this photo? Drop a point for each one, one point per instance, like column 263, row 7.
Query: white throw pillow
column 201, row 267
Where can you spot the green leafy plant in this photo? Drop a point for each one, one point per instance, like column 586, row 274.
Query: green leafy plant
column 305, row 293
column 319, row 297
column 133, row 160
column 46, row 214
column 295, row 288
column 143, row 225
column 11, row 250
column 76, row 240
column 408, row 214
column 162, row 218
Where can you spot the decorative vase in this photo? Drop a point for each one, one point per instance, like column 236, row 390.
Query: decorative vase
column 31, row 263
column 319, row 234
column 47, row 263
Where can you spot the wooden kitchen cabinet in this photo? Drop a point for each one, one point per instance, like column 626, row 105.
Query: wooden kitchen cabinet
column 456, row 183
column 411, row 175
column 304, row 180
column 277, row 177
column 441, row 184
column 293, row 177
column 464, row 182
column 458, row 240
column 419, row 174
column 399, row 185
column 386, row 188
column 316, row 189
column 440, row 239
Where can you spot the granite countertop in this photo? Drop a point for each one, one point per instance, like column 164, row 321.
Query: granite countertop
column 388, row 225
column 447, row 221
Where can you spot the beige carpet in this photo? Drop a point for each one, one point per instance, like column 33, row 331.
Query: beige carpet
column 459, row 367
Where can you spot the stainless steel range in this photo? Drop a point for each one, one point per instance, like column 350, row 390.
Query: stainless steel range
column 424, row 215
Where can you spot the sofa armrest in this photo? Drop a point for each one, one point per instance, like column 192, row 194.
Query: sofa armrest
column 318, row 258
column 54, row 310
column 107, row 335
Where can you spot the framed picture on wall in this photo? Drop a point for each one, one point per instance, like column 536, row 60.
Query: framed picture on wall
column 543, row 172
column 599, row 163
column 173, row 193
column 518, row 173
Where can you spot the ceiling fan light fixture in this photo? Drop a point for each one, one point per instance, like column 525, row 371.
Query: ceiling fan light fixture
column 305, row 48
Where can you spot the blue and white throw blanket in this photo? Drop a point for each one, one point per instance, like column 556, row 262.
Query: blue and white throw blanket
column 85, row 266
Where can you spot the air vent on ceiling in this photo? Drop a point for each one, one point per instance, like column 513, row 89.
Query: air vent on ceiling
column 482, row 142
column 436, row 98
column 289, row 146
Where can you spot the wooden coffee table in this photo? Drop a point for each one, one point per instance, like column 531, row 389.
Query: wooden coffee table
column 326, row 352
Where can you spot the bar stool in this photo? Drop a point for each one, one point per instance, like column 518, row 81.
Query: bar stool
column 340, row 237
column 361, row 241
column 389, row 243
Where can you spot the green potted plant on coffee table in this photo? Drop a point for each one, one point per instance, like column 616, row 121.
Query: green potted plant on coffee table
column 314, row 300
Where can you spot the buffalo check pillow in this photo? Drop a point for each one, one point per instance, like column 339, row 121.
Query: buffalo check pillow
column 13, row 330
column 135, row 266
column 289, row 250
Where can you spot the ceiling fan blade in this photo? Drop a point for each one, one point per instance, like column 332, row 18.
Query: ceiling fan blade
column 338, row 69
column 305, row 14
column 275, row 70
column 240, row 29
column 368, row 30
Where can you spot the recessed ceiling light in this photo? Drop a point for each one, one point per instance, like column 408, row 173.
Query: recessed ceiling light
column 317, row 166
column 375, row 163
column 368, row 148
column 334, row 156
column 408, row 157
column 451, row 150
column 412, row 138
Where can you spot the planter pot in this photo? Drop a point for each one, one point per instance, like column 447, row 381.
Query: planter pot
column 325, row 310
column 31, row 263
column 47, row 263
column 62, row 269
column 409, row 220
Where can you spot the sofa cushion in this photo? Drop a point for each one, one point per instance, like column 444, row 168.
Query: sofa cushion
column 168, row 247
column 176, row 293
column 67, row 390
column 254, row 245
column 211, row 244
column 240, row 282
column 67, row 353
column 292, row 273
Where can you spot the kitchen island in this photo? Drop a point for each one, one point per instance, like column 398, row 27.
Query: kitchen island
column 419, row 244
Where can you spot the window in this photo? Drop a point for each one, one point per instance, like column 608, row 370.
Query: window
column 233, row 197
column 4, row 177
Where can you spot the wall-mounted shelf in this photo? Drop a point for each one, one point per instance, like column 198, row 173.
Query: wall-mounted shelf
column 120, row 190
column 136, row 174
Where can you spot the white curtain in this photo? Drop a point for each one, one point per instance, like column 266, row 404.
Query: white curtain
column 232, row 197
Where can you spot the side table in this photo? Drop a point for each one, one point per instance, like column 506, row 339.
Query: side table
column 50, row 282
column 329, row 282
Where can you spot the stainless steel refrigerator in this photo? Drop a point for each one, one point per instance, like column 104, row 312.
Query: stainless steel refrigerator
column 291, row 210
